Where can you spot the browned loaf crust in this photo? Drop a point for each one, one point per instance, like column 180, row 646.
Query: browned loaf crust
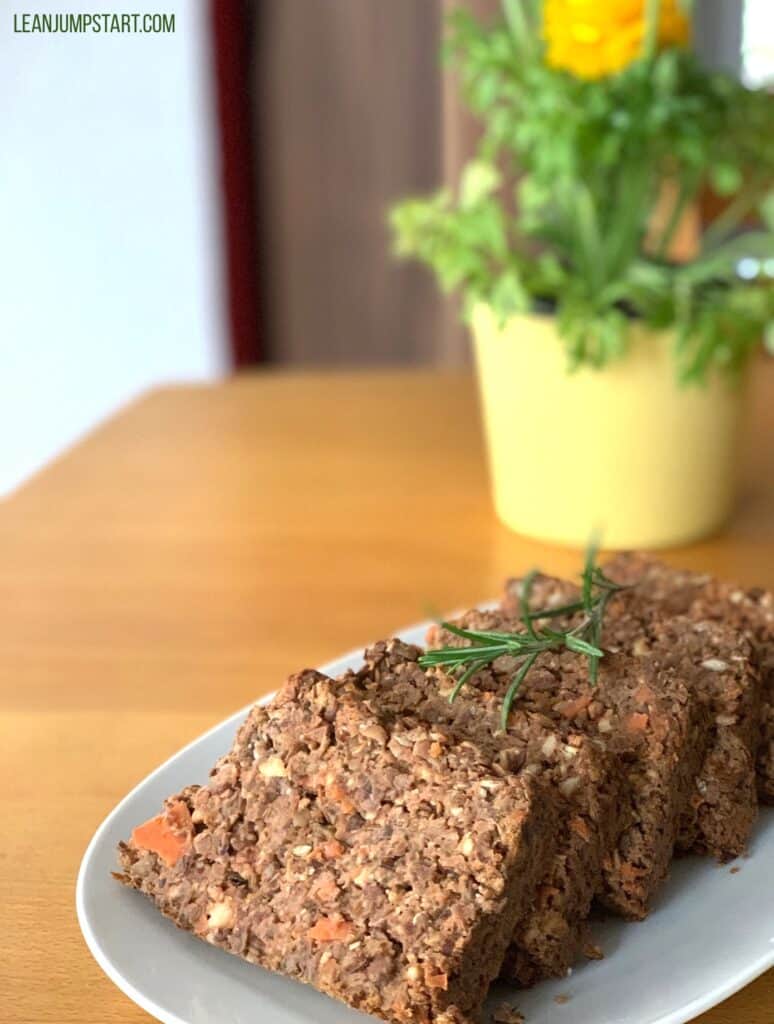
column 718, row 664
column 643, row 716
column 548, row 941
column 748, row 611
column 366, row 854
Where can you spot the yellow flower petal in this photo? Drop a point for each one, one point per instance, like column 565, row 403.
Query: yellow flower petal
column 584, row 33
column 592, row 38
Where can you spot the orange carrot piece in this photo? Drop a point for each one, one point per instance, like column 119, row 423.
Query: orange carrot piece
column 636, row 722
column 329, row 850
column 328, row 929
column 571, row 708
column 580, row 827
column 644, row 694
column 336, row 792
column 159, row 837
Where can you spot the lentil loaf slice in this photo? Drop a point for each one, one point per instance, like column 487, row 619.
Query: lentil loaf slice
column 750, row 611
column 717, row 662
column 548, row 940
column 642, row 715
column 368, row 855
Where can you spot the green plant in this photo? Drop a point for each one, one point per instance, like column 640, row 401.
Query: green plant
column 557, row 204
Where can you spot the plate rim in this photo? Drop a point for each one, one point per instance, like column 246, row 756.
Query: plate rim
column 679, row 1015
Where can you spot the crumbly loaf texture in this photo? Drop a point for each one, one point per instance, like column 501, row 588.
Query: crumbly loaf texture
column 365, row 854
column 643, row 716
column 718, row 663
column 748, row 611
column 548, row 941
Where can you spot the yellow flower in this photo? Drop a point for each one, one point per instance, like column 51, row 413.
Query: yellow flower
column 593, row 38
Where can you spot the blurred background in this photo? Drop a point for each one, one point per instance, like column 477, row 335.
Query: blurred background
column 177, row 206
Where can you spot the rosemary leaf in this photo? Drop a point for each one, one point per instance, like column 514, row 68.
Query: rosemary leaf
column 465, row 634
column 469, row 671
column 524, row 594
column 562, row 609
column 574, row 643
column 513, row 689
column 486, row 646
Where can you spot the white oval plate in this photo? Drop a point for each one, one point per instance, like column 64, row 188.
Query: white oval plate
column 711, row 932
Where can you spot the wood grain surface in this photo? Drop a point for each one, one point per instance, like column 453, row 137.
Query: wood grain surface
column 196, row 549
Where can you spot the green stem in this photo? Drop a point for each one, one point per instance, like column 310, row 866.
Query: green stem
column 650, row 42
column 518, row 22
column 732, row 216
column 685, row 196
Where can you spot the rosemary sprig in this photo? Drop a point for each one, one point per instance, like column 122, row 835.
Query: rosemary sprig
column 487, row 645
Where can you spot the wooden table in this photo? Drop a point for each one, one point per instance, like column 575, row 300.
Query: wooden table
column 196, row 549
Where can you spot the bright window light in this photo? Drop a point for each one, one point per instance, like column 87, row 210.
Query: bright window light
column 758, row 43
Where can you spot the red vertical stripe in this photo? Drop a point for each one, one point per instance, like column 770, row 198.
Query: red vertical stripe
column 232, row 36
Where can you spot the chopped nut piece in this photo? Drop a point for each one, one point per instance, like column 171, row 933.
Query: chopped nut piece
column 375, row 732
column 435, row 978
column 548, row 748
column 640, row 647
column 220, row 915
column 272, row 768
column 467, row 846
column 568, row 786
column 363, row 877
column 715, row 665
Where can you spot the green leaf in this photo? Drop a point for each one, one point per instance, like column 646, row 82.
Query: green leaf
column 592, row 549
column 726, row 179
column 574, row 643
column 766, row 208
column 722, row 261
column 479, row 181
column 666, row 72
column 769, row 337
column 513, row 689
column 469, row 671
column 464, row 634
column 509, row 296
column 525, row 590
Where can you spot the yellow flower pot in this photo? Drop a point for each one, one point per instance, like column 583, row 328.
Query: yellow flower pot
column 624, row 450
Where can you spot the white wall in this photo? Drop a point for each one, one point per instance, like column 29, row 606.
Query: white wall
column 110, row 266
